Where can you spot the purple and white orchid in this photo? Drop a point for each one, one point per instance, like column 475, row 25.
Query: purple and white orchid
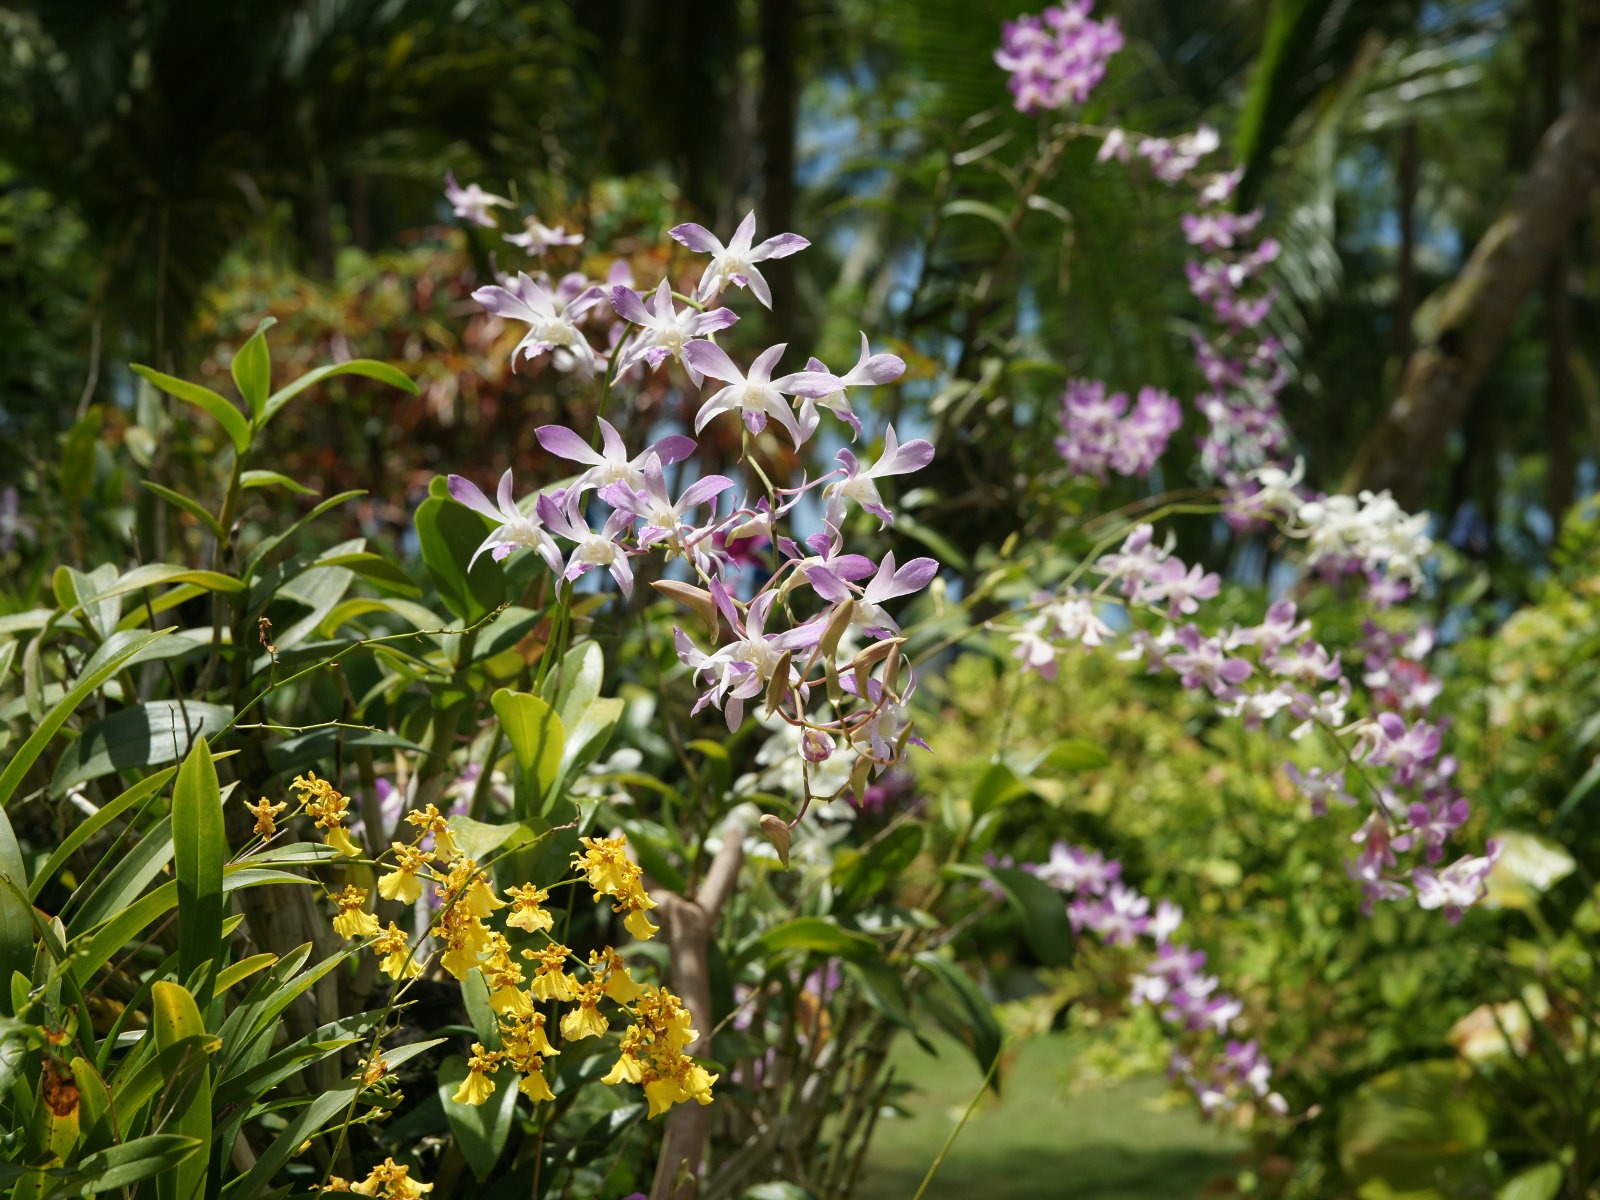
column 819, row 387
column 742, row 668
column 549, row 328
column 537, row 237
column 594, row 548
column 664, row 330
column 610, row 464
column 514, row 528
column 472, row 203
column 860, row 485
column 736, row 262
column 753, row 395
column 663, row 517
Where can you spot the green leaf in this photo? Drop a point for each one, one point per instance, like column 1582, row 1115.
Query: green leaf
column 1414, row 1130
column 1074, row 756
column 1542, row 1182
column 261, row 479
column 449, row 534
column 1043, row 911
column 271, row 543
column 79, row 592
column 16, row 922
column 252, row 368
column 480, row 1130
column 859, row 875
column 475, row 996
column 537, row 740
column 91, row 679
column 193, row 507
column 370, row 368
column 97, row 946
column 200, row 848
column 478, row 839
column 176, row 1018
column 588, row 740
column 136, row 795
column 574, row 685
column 117, row 1167
column 145, row 735
column 996, row 786
column 159, row 574
column 222, row 410
column 881, row 986
column 979, row 1029
column 816, row 935
column 322, row 1109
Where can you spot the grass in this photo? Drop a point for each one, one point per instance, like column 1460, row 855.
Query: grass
column 1035, row 1141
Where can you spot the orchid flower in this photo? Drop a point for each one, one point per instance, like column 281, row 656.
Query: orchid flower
column 548, row 329
column 537, row 237
column 861, row 485
column 472, row 203
column 593, row 549
column 664, row 331
column 754, row 396
column 819, row 387
column 735, row 263
column 888, row 583
column 742, row 668
column 827, row 555
column 611, row 463
column 514, row 527
column 662, row 516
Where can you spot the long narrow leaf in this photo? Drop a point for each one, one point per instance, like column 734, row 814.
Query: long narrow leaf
column 11, row 777
column 221, row 409
column 371, row 368
column 16, row 921
column 200, row 847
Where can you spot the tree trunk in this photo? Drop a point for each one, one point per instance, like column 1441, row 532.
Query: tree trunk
column 1476, row 312
column 1561, row 426
column 1405, row 300
column 779, row 93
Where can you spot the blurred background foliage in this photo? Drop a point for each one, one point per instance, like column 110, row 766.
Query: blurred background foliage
column 172, row 171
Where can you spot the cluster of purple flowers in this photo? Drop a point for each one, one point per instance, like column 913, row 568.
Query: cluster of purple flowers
column 625, row 504
column 1058, row 57
column 1101, row 437
column 1255, row 673
column 1243, row 368
column 1190, row 1002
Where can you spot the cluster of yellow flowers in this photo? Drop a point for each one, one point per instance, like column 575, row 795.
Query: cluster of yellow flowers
column 325, row 805
column 653, row 1054
column 654, row 1044
column 389, row 1180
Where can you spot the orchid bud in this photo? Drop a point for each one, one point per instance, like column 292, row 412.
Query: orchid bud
column 814, row 747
